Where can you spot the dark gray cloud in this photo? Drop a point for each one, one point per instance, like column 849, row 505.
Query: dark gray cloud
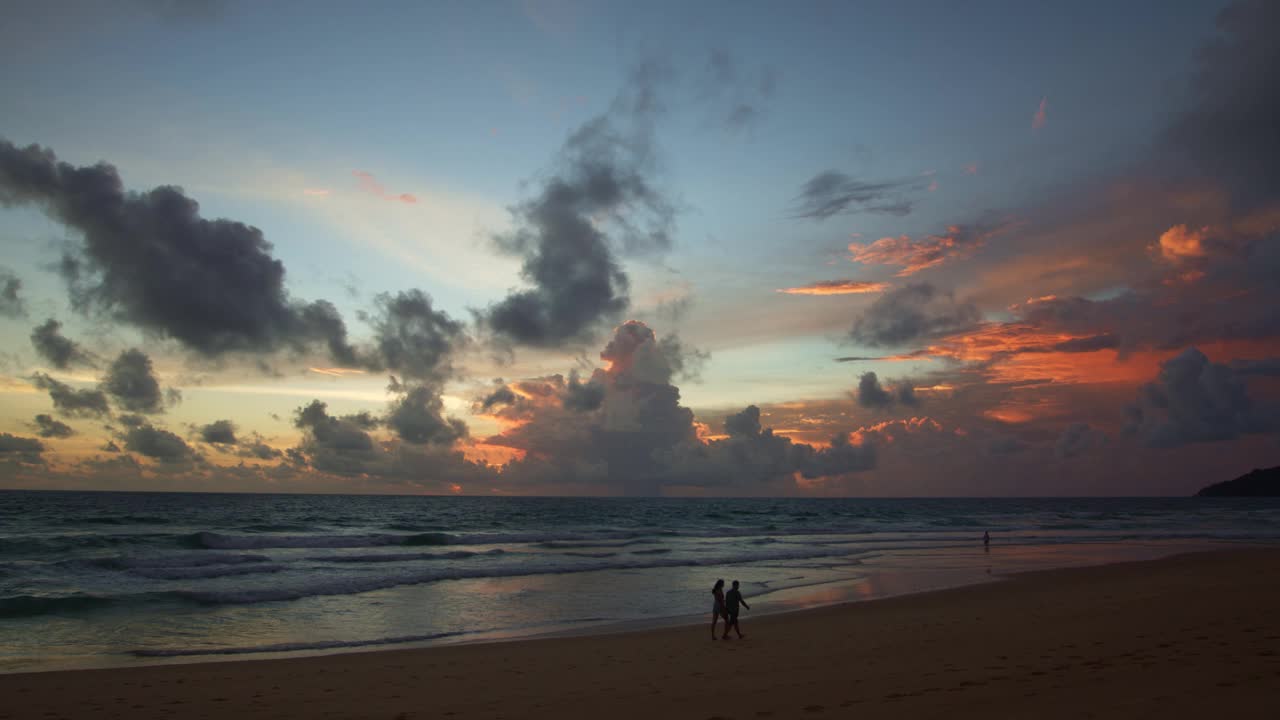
column 1006, row 445
column 334, row 444
column 582, row 396
column 600, row 200
column 48, row 427
column 343, row 446
column 21, row 448
column 417, row 417
column 501, row 396
column 131, row 421
column 157, row 443
column 411, row 337
column 1227, row 132
column 1078, row 438
column 1265, row 367
column 70, row 401
column 640, row 439
column 872, row 395
column 11, row 303
column 1093, row 343
column 914, row 312
column 744, row 423
column 60, row 351
column 219, row 432
column 256, row 448
column 832, row 193
column 1193, row 400
column 686, row 362
column 753, row 455
column 133, row 385
column 604, row 431
column 149, row 259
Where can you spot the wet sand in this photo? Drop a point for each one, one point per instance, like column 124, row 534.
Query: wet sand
column 1193, row 636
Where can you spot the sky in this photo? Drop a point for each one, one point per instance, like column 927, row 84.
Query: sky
column 561, row 248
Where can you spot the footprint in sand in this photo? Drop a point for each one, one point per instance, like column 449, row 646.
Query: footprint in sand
column 814, row 708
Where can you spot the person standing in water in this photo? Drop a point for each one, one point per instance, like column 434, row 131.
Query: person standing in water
column 986, row 540
column 732, row 600
column 717, row 608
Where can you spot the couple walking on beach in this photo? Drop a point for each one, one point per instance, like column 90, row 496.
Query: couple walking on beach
column 726, row 606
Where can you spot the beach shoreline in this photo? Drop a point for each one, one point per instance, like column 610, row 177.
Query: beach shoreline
column 885, row 583
column 1147, row 633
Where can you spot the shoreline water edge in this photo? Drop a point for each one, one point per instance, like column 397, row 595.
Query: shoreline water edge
column 1176, row 637
column 133, row 580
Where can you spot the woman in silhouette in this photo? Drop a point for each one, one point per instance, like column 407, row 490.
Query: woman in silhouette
column 717, row 607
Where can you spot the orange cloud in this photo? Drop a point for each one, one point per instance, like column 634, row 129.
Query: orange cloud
column 335, row 371
column 370, row 185
column 1042, row 114
column 316, row 192
column 836, row 287
column 927, row 252
column 971, row 169
column 481, row 451
column 1179, row 242
column 887, row 430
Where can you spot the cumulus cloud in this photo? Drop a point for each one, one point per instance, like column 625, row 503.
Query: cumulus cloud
column 256, row 448
column 753, row 455
column 639, row 439
column 1193, row 400
column 22, row 449
column 1179, row 242
column 411, row 337
column 333, row 444
column 48, row 427
column 60, row 351
column 71, row 401
column 157, row 443
column 11, row 303
column 219, row 432
column 831, row 193
column 836, row 287
column 150, row 260
column 132, row 383
column 872, row 394
column 605, row 431
column 417, row 417
column 917, row 311
column 600, row 200
column 343, row 445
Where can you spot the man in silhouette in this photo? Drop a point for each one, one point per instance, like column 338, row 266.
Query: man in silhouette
column 732, row 599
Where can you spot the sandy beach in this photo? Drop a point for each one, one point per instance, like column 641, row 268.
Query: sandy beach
column 1189, row 636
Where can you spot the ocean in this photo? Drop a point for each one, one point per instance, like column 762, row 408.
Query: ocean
column 104, row 579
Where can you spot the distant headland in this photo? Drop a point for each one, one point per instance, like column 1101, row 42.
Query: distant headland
column 1259, row 483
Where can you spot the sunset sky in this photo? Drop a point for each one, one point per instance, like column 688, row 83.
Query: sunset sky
column 848, row 248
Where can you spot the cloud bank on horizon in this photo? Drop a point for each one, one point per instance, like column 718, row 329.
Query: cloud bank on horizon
column 1117, row 334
